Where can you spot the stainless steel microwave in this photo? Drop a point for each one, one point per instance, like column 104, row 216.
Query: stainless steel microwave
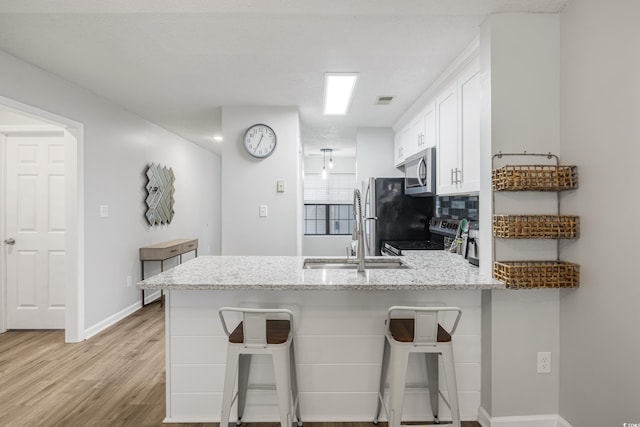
column 420, row 173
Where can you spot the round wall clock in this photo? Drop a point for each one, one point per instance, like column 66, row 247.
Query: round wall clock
column 260, row 141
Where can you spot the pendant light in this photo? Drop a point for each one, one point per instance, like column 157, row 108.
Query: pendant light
column 324, row 162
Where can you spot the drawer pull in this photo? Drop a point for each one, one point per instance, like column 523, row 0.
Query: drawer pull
column 173, row 250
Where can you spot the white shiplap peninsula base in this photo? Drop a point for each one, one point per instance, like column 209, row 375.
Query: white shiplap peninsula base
column 338, row 333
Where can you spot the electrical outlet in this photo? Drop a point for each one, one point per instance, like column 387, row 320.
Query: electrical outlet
column 129, row 282
column 544, row 362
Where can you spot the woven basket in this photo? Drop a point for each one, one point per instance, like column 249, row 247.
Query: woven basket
column 537, row 274
column 536, row 226
column 535, row 177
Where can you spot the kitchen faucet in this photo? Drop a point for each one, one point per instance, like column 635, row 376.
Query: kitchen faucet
column 358, row 228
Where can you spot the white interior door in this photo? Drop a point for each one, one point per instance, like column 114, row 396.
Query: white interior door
column 35, row 231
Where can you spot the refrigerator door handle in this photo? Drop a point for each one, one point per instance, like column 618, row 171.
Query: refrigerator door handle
column 368, row 207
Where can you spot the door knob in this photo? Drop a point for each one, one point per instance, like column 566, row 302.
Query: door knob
column 10, row 241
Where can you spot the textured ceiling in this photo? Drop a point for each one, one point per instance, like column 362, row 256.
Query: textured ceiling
column 176, row 63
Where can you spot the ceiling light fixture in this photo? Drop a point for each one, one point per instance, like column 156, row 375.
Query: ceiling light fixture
column 324, row 162
column 338, row 92
column 217, row 138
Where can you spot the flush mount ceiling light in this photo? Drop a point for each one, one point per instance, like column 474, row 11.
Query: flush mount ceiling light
column 338, row 91
column 217, row 138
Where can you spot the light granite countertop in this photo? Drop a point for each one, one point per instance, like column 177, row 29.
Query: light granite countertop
column 428, row 270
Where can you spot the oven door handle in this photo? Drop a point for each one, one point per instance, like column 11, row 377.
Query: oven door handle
column 385, row 252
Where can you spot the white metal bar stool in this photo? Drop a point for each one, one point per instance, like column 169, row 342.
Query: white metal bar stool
column 258, row 334
column 420, row 333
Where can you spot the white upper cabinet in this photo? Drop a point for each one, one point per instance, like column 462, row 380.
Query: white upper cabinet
column 447, row 140
column 415, row 137
column 458, row 134
column 418, row 135
column 429, row 119
column 398, row 146
column 449, row 121
column 469, row 146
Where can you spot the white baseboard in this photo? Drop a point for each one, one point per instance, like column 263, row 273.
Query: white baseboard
column 551, row 420
column 151, row 297
column 111, row 320
column 483, row 417
column 562, row 422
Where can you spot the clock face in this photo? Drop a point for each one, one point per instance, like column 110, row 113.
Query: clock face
column 260, row 141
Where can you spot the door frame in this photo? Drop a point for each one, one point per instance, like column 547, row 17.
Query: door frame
column 74, row 221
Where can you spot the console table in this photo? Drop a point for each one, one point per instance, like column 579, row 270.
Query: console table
column 164, row 251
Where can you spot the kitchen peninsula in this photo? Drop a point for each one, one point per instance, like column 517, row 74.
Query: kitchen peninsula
column 339, row 323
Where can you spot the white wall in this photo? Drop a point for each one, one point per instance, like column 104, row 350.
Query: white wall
column 249, row 183
column 118, row 145
column 520, row 68
column 374, row 154
column 600, row 110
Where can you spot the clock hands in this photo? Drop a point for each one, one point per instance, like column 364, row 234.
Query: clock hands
column 258, row 144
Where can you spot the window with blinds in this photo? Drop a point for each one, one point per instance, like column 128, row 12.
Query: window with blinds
column 337, row 188
column 328, row 207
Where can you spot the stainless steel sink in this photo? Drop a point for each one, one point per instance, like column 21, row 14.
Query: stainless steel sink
column 369, row 263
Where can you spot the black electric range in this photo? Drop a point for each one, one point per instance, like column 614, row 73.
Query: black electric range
column 395, row 248
column 441, row 232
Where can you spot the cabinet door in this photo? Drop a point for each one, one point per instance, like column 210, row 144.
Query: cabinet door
column 408, row 140
column 447, row 138
column 430, row 126
column 398, row 147
column 417, row 133
column 413, row 137
column 469, row 151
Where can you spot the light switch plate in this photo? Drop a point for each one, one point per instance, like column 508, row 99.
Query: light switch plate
column 263, row 210
column 281, row 186
column 104, row 211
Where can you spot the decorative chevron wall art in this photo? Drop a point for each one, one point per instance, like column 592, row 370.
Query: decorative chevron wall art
column 160, row 191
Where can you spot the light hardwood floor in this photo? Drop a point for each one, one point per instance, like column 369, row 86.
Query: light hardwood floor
column 113, row 379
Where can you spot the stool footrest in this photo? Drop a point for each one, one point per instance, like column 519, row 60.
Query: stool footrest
column 269, row 387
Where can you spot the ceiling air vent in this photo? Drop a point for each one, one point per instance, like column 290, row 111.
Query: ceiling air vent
column 384, row 100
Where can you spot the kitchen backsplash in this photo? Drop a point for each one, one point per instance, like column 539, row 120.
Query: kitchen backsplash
column 457, row 207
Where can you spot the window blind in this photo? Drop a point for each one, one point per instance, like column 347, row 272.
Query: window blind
column 337, row 188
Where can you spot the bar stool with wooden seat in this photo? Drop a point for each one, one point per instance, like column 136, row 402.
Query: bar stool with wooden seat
column 261, row 331
column 420, row 333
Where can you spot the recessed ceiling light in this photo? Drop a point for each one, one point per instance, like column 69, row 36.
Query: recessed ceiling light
column 338, row 91
column 217, row 138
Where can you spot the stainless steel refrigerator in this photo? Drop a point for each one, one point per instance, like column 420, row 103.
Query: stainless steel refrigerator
column 392, row 215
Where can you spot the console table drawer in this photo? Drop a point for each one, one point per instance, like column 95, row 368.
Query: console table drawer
column 191, row 245
column 166, row 250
